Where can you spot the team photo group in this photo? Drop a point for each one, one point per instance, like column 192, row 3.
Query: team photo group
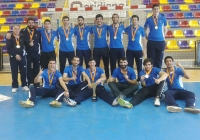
column 32, row 51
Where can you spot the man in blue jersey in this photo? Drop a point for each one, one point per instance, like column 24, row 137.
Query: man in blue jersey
column 48, row 47
column 79, row 90
column 175, row 88
column 116, row 31
column 127, row 83
column 136, row 37
column 50, row 89
column 82, row 33
column 157, row 25
column 66, row 49
column 100, row 43
column 152, row 81
column 97, row 78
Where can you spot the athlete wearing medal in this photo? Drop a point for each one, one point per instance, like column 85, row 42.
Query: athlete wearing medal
column 66, row 46
column 51, row 77
column 136, row 37
column 82, row 33
column 48, row 39
column 116, row 31
column 152, row 81
column 157, row 25
column 79, row 90
column 175, row 88
column 100, row 43
column 16, row 50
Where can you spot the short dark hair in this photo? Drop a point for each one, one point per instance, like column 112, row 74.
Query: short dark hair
column 64, row 17
column 155, row 5
column 135, row 16
column 91, row 59
column 123, row 58
column 81, row 17
column 168, row 57
column 47, row 20
column 75, row 57
column 31, row 18
column 147, row 60
column 99, row 15
column 115, row 14
column 52, row 59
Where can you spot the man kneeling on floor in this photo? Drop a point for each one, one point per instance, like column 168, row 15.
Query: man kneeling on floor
column 175, row 88
column 50, row 78
column 152, row 81
column 79, row 90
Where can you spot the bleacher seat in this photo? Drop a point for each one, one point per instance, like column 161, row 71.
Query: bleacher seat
column 19, row 20
column 189, row 1
column 163, row 1
column 11, row 6
column 43, row 5
column 179, row 15
column 178, row 34
column 31, row 13
column 35, row 6
column 18, row 6
column 23, row 26
column 155, row 1
column 29, row 0
column 3, row 6
column 10, row 21
column 44, row 18
column 1, row 13
column 175, row 8
column 188, row 15
column 192, row 44
column 27, row 6
column 25, row 20
column 196, row 14
column 21, row 0
column 197, row 33
column 169, row 15
column 166, row 8
column 184, row 8
column 172, row 45
column 1, row 38
column 183, row 44
column 193, row 7
column 189, row 33
column 171, row 1
column 6, row 13
column 2, row 20
column 36, row 20
column 5, row 28
column 14, row 13
column 196, row 1
column 173, row 24
column 11, row 29
column 193, row 23
column 23, row 13
column 162, row 14
column 184, row 24
column 14, row 0
column 146, row 2
column 169, row 34
column 51, row 5
column 180, row 1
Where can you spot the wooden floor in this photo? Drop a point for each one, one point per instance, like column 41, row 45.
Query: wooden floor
column 6, row 78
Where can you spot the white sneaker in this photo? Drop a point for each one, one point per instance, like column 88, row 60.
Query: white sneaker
column 25, row 88
column 157, row 102
column 174, row 109
column 69, row 101
column 191, row 109
column 115, row 101
column 14, row 89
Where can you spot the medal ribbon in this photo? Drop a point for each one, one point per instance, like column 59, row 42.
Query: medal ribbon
column 48, row 37
column 93, row 74
column 115, row 31
column 81, row 31
column 17, row 39
column 50, row 77
column 30, row 33
column 170, row 79
column 66, row 33
column 134, row 31
column 147, row 73
column 125, row 73
column 99, row 30
column 74, row 72
column 155, row 19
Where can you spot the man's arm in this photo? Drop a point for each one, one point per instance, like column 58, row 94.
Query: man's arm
column 165, row 30
column 38, row 77
column 163, row 76
column 66, row 78
column 85, row 76
column 142, row 79
column 62, row 83
column 101, row 79
column 146, row 36
column 186, row 76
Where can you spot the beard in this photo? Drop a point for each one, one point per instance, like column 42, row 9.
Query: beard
column 124, row 67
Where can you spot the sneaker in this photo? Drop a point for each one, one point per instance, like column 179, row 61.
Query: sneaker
column 14, row 89
column 25, row 88
column 192, row 110
column 124, row 103
column 55, row 104
column 69, row 101
column 115, row 103
column 157, row 102
column 174, row 109
column 122, row 96
column 27, row 103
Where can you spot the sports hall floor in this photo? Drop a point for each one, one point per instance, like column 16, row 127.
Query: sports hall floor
column 95, row 120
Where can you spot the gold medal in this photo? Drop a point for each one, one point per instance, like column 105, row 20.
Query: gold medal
column 133, row 31
column 133, row 39
column 99, row 36
column 17, row 38
column 48, row 36
column 171, row 79
column 17, row 46
column 93, row 74
column 81, row 30
column 67, row 39
column 81, row 38
column 146, row 76
column 147, row 73
column 115, row 37
column 115, row 31
column 66, row 33
column 156, row 27
column 155, row 19
column 99, row 31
